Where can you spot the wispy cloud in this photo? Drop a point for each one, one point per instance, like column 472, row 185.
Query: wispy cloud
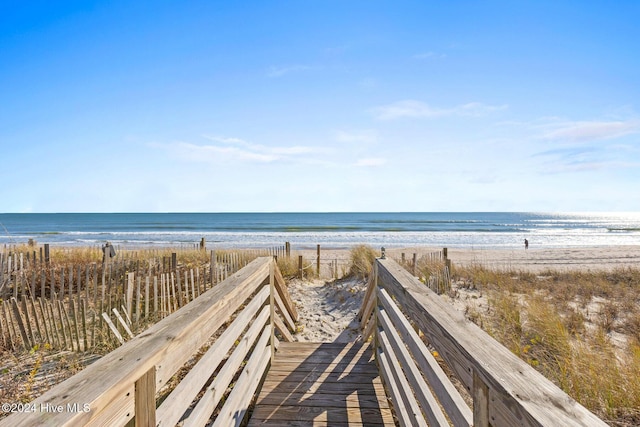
column 366, row 136
column 236, row 149
column 583, row 131
column 279, row 71
column 370, row 162
column 419, row 109
column 428, row 55
column 214, row 153
column 585, row 159
column 589, row 166
column 275, row 152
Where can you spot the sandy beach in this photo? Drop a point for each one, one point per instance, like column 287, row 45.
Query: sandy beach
column 328, row 307
column 532, row 259
column 536, row 260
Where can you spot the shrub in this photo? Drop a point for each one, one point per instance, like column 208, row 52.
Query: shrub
column 362, row 259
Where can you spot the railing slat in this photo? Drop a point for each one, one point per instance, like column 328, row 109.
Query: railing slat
column 281, row 287
column 518, row 394
column 108, row 384
column 406, row 393
column 280, row 326
column 237, row 405
column 211, row 397
column 386, row 370
column 174, row 406
column 288, row 320
column 449, row 397
column 427, row 401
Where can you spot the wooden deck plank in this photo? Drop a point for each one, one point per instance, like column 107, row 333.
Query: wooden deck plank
column 329, row 388
column 354, row 400
column 314, row 423
column 345, row 378
column 314, row 367
column 366, row 416
column 322, row 384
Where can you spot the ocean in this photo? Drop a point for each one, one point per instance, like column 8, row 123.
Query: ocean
column 488, row 230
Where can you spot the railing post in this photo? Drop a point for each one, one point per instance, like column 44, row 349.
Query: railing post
column 272, row 307
column 145, row 399
column 375, row 306
column 480, row 402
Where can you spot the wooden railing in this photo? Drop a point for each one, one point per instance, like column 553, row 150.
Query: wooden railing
column 135, row 383
column 505, row 390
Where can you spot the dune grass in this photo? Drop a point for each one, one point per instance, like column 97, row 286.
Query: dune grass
column 362, row 258
column 579, row 329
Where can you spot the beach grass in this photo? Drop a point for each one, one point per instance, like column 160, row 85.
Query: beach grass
column 361, row 259
column 579, row 329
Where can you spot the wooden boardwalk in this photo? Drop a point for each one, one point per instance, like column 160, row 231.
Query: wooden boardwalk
column 322, row 384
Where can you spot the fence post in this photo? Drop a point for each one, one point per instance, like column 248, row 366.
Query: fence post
column 46, row 254
column 318, row 262
column 300, row 266
column 129, row 293
column 415, row 263
column 287, row 248
column 272, row 308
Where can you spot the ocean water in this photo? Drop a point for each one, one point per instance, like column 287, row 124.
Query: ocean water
column 336, row 230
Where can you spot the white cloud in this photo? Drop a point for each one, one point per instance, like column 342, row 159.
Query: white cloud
column 228, row 149
column 283, row 70
column 258, row 148
column 428, row 55
column 225, row 140
column 589, row 166
column 215, row 153
column 582, row 131
column 477, row 109
column 370, row 161
column 419, row 109
column 366, row 136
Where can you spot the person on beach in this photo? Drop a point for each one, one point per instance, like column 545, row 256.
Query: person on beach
column 526, row 244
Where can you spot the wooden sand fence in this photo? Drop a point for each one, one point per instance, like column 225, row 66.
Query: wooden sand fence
column 166, row 374
column 88, row 305
column 431, row 268
column 399, row 313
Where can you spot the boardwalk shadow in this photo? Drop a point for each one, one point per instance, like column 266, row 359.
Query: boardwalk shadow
column 334, row 384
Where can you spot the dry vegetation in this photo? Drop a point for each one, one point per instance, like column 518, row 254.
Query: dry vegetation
column 580, row 329
column 26, row 374
column 362, row 258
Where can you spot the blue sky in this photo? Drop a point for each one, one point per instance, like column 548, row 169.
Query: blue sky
column 327, row 105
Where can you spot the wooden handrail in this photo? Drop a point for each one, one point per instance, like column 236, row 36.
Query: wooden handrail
column 506, row 391
column 122, row 386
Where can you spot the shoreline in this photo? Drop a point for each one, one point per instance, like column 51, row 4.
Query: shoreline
column 534, row 259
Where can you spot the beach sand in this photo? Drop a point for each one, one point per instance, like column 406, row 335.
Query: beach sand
column 328, row 308
column 532, row 259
